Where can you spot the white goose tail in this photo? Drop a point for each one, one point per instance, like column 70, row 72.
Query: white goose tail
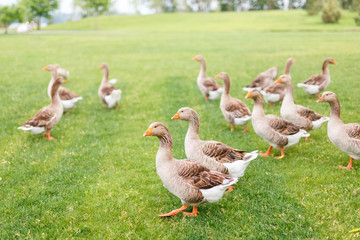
column 113, row 98
column 237, row 168
column 33, row 130
column 113, row 81
column 214, row 194
column 309, row 89
column 215, row 94
column 242, row 121
column 318, row 123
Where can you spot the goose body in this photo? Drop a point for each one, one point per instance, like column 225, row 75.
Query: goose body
column 108, row 93
column 47, row 117
column 68, row 98
column 214, row 155
column 262, row 80
column 300, row 115
column 275, row 92
column 207, row 85
column 317, row 83
column 278, row 132
column 346, row 137
column 234, row 110
column 192, row 182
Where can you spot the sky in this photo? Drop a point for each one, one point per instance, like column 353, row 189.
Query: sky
column 66, row 6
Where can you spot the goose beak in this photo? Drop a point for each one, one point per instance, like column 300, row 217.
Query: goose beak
column 294, row 60
column 322, row 99
column 248, row 95
column 100, row 67
column 278, row 81
column 217, row 76
column 148, row 132
column 334, row 62
column 45, row 68
column 176, row 116
column 64, row 80
column 195, row 58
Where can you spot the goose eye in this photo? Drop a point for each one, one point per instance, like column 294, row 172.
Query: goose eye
column 155, row 127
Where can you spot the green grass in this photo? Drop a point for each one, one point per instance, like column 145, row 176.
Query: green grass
column 98, row 180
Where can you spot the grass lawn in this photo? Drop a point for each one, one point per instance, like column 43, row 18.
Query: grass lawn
column 98, row 179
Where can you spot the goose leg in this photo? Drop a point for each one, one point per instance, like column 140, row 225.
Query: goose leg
column 194, row 213
column 174, row 212
column 246, row 129
column 117, row 106
column 232, row 127
column 318, row 95
column 307, row 138
column 206, row 98
column 48, row 137
column 349, row 166
column 271, row 105
column 267, row 153
column 282, row 154
column 67, row 112
column 230, row 189
column 107, row 106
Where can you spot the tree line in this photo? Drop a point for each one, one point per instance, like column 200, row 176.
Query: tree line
column 34, row 10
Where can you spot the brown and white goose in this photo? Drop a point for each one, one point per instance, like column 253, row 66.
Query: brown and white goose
column 192, row 182
column 346, row 137
column 234, row 110
column 278, row 132
column 263, row 80
column 68, row 98
column 215, row 155
column 49, row 116
column 108, row 93
column 207, row 85
column 300, row 115
column 275, row 92
column 317, row 83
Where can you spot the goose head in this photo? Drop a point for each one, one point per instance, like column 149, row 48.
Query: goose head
column 185, row 114
column 284, row 79
column 103, row 66
column 254, row 94
column 156, row 129
column 198, row 58
column 330, row 60
column 327, row 97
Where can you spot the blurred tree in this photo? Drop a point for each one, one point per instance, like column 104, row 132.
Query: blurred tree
column 264, row 4
column 164, row 5
column 331, row 12
column 36, row 9
column 93, row 8
column 355, row 5
column 357, row 20
column 9, row 14
column 313, row 7
column 346, row 4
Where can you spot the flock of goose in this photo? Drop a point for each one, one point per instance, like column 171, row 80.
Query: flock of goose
column 213, row 167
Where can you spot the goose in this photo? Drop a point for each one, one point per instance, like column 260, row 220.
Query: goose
column 108, row 93
column 208, row 86
column 317, row 83
column 275, row 92
column 300, row 115
column 346, row 137
column 68, row 98
column 278, row 132
column 214, row 155
column 192, row 182
column 234, row 110
column 263, row 79
column 49, row 116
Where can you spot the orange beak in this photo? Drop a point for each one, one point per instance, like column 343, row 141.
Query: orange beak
column 100, row 67
column 322, row 99
column 45, row 68
column 294, row 60
column 148, row 132
column 278, row 81
column 176, row 116
column 64, row 80
column 248, row 95
column 195, row 58
column 217, row 76
column 334, row 62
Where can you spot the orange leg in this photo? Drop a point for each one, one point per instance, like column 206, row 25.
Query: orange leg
column 232, row 127
column 307, row 138
column 271, row 105
column 267, row 153
column 246, row 129
column 48, row 137
column 117, row 106
column 282, row 154
column 230, row 189
column 174, row 212
column 107, row 106
column 67, row 112
column 206, row 98
column 349, row 166
column 318, row 95
column 194, row 213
